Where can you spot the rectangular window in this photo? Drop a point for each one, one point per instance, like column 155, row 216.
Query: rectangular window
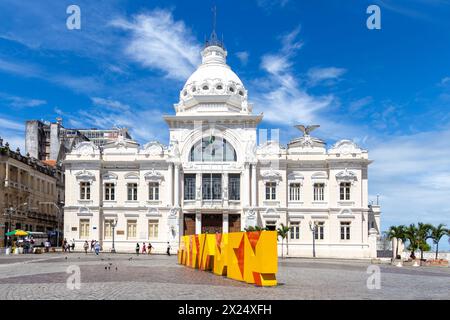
column 212, row 186
column 294, row 192
column 85, row 190
column 132, row 191
column 152, row 229
column 295, row 230
column 319, row 191
column 271, row 190
column 189, row 187
column 131, row 229
column 84, row 228
column 234, row 186
column 153, row 191
column 345, row 190
column 108, row 228
column 109, row 191
column 345, row 230
column 319, row 233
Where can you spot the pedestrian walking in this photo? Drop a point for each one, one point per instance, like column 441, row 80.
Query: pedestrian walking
column 150, row 248
column 168, row 249
column 144, row 248
column 65, row 245
column 73, row 244
column 137, row 248
column 86, row 247
column 92, row 244
column 97, row 248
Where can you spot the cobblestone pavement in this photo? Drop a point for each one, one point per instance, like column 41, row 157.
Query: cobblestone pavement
column 160, row 277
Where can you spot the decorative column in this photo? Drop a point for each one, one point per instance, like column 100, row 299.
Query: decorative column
column 246, row 184
column 177, row 186
column 170, row 184
column 7, row 174
column 198, row 222
column 225, row 222
column 254, row 186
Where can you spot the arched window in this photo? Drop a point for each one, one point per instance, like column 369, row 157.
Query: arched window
column 212, row 149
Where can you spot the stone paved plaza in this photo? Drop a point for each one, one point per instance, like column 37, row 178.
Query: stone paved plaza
column 160, row 277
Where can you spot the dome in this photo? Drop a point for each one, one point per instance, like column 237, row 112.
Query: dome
column 213, row 80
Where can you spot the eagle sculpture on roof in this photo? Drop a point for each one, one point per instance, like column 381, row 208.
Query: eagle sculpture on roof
column 307, row 129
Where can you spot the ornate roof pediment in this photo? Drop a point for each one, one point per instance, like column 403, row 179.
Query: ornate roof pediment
column 132, row 175
column 346, row 175
column 153, row 176
column 109, row 176
column 153, row 148
column 271, row 175
column 345, row 147
column 85, row 176
column 296, row 176
column 86, row 148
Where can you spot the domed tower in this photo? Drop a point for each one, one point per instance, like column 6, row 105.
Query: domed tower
column 213, row 88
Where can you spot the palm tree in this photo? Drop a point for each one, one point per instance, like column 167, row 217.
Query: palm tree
column 283, row 232
column 424, row 233
column 411, row 234
column 436, row 234
column 397, row 233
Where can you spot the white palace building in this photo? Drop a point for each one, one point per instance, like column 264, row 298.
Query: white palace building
column 215, row 177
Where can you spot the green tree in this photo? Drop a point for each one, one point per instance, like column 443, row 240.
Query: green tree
column 423, row 234
column 411, row 234
column 283, row 232
column 436, row 234
column 397, row 233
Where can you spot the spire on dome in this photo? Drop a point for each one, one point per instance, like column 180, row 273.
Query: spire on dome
column 213, row 40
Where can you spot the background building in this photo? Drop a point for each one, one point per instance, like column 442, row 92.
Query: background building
column 215, row 176
column 28, row 194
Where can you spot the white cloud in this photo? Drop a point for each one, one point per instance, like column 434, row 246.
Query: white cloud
column 159, row 42
column 112, row 104
column 20, row 102
column 317, row 75
column 360, row 103
column 279, row 94
column 243, row 57
column 7, row 124
column 412, row 175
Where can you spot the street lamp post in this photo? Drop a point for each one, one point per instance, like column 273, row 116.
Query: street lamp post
column 313, row 227
column 113, row 225
column 59, row 218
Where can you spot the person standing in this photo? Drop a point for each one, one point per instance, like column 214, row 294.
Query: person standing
column 168, row 249
column 73, row 244
column 137, row 248
column 144, row 248
column 86, row 247
column 92, row 244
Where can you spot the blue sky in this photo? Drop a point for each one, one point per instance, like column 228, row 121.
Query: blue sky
column 302, row 62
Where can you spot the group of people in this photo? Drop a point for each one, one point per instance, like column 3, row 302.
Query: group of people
column 145, row 248
column 67, row 247
column 148, row 249
column 95, row 245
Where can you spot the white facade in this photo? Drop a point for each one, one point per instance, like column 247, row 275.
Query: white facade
column 215, row 177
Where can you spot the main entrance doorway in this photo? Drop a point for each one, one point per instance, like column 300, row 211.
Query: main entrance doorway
column 189, row 224
column 212, row 223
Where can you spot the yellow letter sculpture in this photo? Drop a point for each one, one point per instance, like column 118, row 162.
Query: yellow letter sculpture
column 244, row 256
